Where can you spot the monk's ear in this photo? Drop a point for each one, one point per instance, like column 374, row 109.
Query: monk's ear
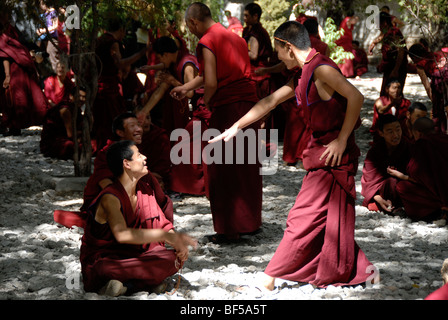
column 126, row 164
column 380, row 133
column 120, row 133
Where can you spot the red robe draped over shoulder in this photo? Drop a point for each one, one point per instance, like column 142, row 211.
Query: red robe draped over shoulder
column 318, row 245
column 103, row 258
column 26, row 104
column 101, row 171
column 235, row 190
column 428, row 166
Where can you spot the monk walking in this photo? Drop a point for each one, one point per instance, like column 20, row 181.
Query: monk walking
column 318, row 245
column 123, row 246
column 235, row 190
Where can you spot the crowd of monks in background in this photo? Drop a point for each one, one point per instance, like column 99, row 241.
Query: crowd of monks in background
column 406, row 166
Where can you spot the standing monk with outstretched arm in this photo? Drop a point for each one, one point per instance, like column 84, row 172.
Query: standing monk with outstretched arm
column 318, row 245
column 235, row 190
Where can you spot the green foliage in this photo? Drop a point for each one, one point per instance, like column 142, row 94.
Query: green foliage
column 274, row 14
column 332, row 33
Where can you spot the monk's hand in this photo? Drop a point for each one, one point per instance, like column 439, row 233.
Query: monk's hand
column 333, row 153
column 6, row 82
column 181, row 243
column 226, row 135
column 385, row 204
column 141, row 117
column 178, row 92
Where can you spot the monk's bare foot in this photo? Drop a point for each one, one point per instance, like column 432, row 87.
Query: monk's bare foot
column 113, row 288
column 269, row 283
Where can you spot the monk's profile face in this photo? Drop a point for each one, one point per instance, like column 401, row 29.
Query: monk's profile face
column 138, row 163
column 132, row 130
column 392, row 134
column 250, row 19
column 285, row 54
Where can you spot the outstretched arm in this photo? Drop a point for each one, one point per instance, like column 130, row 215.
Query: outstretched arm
column 258, row 111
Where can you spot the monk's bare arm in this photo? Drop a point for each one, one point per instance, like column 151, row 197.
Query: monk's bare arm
column 6, row 66
column 109, row 211
column 181, row 91
column 334, row 80
column 258, row 111
column 253, row 48
column 210, row 78
column 425, row 82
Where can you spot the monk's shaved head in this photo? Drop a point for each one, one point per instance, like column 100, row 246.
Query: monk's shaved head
column 198, row 11
column 423, row 125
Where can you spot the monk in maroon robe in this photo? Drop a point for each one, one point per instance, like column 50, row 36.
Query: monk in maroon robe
column 109, row 102
column 124, row 241
column 57, row 131
column 57, row 88
column 318, row 245
column 390, row 150
column 424, row 189
column 442, row 292
column 26, row 104
column 394, row 60
column 390, row 103
column 259, row 45
column 360, row 61
column 345, row 41
column 432, row 67
column 125, row 127
column 235, row 190
column 415, row 111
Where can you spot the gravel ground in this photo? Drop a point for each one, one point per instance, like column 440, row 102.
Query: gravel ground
column 39, row 259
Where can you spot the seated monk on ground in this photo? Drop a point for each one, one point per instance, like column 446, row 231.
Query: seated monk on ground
column 57, row 131
column 125, row 127
column 416, row 110
column 424, row 189
column 390, row 103
column 390, row 150
column 123, row 247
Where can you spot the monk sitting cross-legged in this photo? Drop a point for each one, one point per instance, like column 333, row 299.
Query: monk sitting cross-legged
column 123, row 247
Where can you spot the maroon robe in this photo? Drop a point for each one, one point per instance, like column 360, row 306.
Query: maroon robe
column 264, row 55
column 439, row 87
column 156, row 147
column 103, row 258
column 109, row 102
column 318, row 44
column 191, row 178
column 360, row 62
column 439, row 294
column 54, row 92
column 26, row 104
column 297, row 133
column 54, row 141
column 235, row 189
column 345, row 41
column 375, row 179
column 101, row 171
column 318, row 245
column 428, row 166
column 391, row 42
